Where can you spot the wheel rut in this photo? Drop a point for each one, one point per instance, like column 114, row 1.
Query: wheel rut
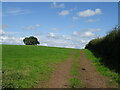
column 89, row 76
column 60, row 77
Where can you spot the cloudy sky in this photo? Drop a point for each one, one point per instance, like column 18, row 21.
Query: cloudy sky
column 58, row 24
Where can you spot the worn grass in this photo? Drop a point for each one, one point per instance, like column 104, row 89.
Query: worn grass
column 25, row 66
column 115, row 77
column 75, row 72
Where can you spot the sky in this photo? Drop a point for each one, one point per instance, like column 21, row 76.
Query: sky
column 57, row 24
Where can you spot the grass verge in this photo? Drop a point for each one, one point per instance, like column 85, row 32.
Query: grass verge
column 115, row 77
column 74, row 80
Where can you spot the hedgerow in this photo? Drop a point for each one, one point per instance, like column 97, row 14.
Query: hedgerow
column 107, row 47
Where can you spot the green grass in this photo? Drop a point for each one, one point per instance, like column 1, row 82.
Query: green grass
column 75, row 72
column 115, row 77
column 26, row 66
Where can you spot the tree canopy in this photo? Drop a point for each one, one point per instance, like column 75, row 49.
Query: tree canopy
column 31, row 40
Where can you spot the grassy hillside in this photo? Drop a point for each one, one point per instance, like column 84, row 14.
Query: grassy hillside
column 25, row 66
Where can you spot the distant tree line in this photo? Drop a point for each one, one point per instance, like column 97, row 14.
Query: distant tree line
column 31, row 40
column 108, row 47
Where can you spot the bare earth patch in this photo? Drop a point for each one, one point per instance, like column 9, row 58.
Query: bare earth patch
column 60, row 77
column 90, row 77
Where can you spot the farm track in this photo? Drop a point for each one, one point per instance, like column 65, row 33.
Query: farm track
column 60, row 77
column 90, row 76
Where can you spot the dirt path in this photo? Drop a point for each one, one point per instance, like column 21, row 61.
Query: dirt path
column 60, row 77
column 90, row 76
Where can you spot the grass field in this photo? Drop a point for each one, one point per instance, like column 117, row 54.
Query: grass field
column 25, row 66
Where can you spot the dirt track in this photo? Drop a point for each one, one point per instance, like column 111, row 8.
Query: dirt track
column 88, row 74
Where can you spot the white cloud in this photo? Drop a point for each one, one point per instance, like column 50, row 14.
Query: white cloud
column 64, row 12
column 92, row 29
column 75, row 33
column 68, row 38
column 32, row 27
column 61, row 40
column 89, row 12
column 75, row 18
column 18, row 11
column 78, row 40
column 86, row 33
column 67, row 41
column 44, row 44
column 70, row 46
column 10, row 40
column 55, row 5
column 2, row 32
column 92, row 20
column 83, row 41
column 7, row 39
column 37, row 25
column 53, row 35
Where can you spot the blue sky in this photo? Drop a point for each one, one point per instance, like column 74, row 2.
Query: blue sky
column 59, row 24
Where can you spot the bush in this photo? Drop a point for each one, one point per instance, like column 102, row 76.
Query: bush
column 107, row 47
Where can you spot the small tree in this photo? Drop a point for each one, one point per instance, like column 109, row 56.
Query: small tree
column 31, row 41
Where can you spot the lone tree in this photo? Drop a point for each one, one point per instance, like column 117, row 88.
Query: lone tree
column 31, row 41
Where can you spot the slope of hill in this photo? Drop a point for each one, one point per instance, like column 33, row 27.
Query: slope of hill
column 24, row 65
column 51, row 67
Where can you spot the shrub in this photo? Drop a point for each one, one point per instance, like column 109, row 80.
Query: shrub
column 107, row 47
